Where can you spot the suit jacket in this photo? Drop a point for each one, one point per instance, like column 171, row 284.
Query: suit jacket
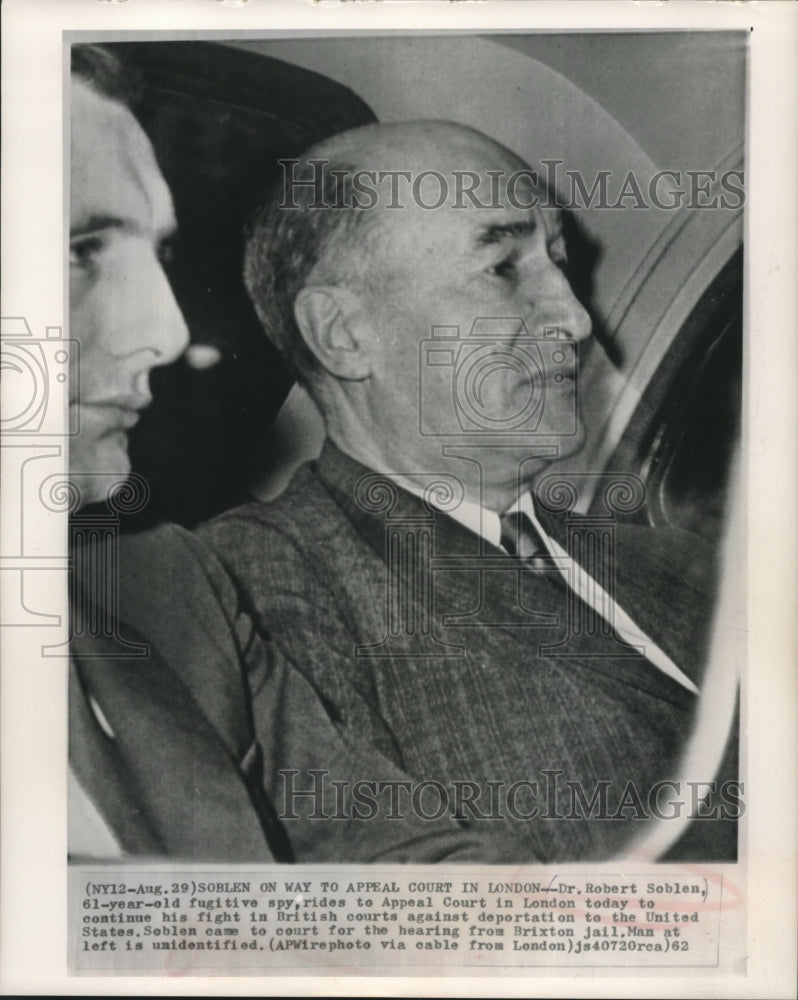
column 185, row 774
column 448, row 657
column 164, row 743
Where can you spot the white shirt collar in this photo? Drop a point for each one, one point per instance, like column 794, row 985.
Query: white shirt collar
column 482, row 520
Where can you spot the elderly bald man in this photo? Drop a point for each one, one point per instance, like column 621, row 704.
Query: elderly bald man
column 414, row 276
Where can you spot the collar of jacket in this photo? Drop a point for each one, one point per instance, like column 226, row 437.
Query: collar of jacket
column 647, row 564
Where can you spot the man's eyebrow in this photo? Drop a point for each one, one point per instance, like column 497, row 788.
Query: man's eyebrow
column 506, row 230
column 97, row 223
column 100, row 223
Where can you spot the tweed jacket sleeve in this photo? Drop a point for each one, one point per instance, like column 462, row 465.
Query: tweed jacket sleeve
column 248, row 687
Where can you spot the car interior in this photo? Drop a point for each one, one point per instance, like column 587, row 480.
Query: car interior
column 661, row 386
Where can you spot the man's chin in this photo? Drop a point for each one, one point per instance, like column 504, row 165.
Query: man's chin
column 99, row 472
column 555, row 444
column 570, row 444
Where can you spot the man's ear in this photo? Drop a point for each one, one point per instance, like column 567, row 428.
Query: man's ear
column 334, row 326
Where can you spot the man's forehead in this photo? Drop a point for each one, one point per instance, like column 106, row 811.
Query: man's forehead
column 518, row 223
column 470, row 227
column 114, row 171
column 445, row 178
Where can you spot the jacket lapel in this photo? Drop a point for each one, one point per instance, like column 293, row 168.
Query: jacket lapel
column 542, row 597
column 104, row 776
column 647, row 566
column 184, row 787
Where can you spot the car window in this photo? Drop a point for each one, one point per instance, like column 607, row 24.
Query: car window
column 682, row 436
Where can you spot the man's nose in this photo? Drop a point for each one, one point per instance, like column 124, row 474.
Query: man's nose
column 169, row 331
column 557, row 307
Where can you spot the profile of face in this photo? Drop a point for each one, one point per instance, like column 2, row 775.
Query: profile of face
column 498, row 262
column 122, row 311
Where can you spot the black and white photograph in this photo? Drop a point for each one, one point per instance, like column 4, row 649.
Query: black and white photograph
column 398, row 433
column 431, row 429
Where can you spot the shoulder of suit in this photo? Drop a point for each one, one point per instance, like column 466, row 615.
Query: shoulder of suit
column 170, row 567
column 667, row 554
column 305, row 506
column 163, row 552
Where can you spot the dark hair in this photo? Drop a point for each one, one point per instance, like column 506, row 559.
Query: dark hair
column 105, row 72
column 316, row 222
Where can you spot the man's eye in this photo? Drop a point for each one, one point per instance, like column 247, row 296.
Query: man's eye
column 560, row 260
column 84, row 252
column 167, row 250
column 558, row 254
column 505, row 268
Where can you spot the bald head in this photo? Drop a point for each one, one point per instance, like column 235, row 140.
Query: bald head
column 328, row 217
column 426, row 144
column 386, row 236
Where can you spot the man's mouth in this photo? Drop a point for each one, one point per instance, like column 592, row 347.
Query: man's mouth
column 120, row 417
column 116, row 414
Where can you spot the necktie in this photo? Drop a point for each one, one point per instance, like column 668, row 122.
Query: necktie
column 521, row 538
